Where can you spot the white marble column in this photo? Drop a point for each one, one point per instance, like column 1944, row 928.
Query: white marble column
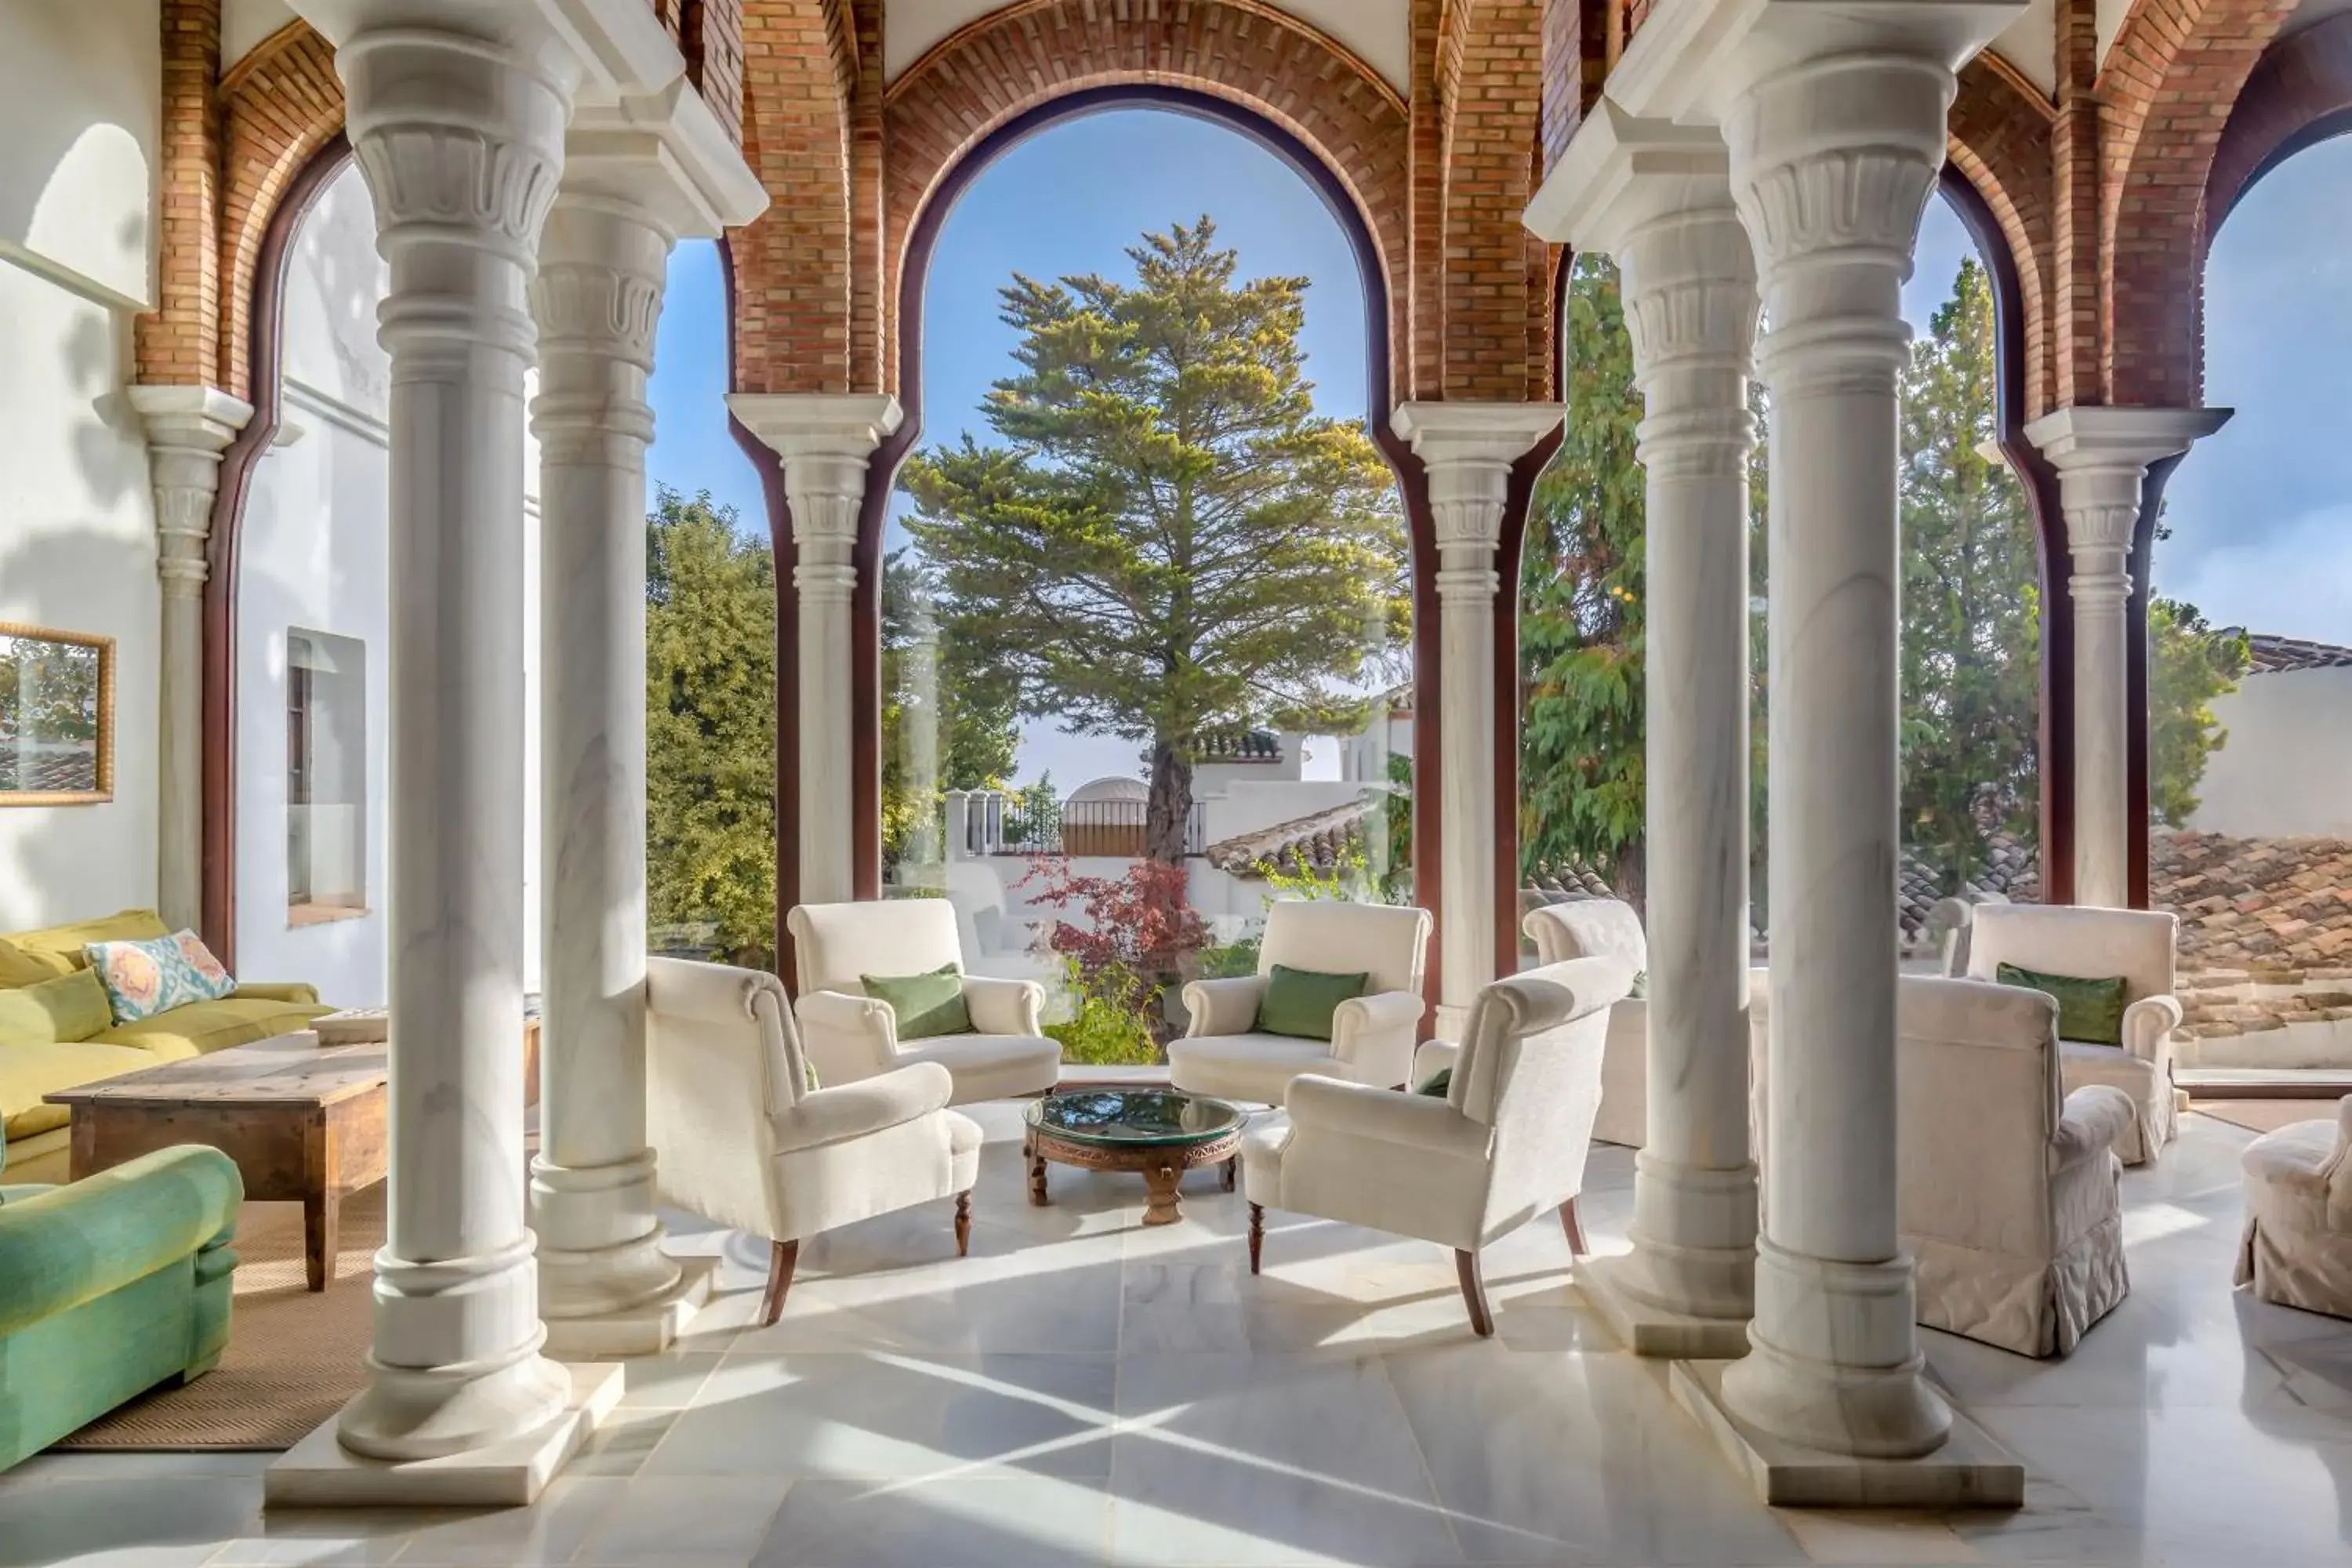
column 1468, row 450
column 1836, row 130
column 636, row 176
column 188, row 429
column 461, row 141
column 2102, row 456
column 1657, row 196
column 825, row 442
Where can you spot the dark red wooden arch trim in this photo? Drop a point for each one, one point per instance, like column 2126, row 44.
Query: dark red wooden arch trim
column 882, row 472
column 2056, row 739
column 2299, row 94
column 217, row 876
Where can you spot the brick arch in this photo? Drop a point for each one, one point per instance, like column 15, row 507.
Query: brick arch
column 2174, row 67
column 1242, row 51
column 279, row 105
column 2298, row 93
column 1496, row 274
column 2000, row 143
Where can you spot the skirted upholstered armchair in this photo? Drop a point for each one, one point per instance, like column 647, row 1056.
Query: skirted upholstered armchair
column 1606, row 928
column 1225, row 1054
column 2098, row 945
column 1506, row 1142
column 2298, row 1244
column 851, row 1035
column 2007, row 1196
column 740, row 1138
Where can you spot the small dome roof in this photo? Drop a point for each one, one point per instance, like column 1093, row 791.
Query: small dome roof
column 1114, row 788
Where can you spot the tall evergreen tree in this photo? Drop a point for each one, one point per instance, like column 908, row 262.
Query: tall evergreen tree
column 710, row 726
column 1165, row 541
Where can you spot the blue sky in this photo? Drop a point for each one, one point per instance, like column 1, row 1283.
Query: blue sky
column 2260, row 514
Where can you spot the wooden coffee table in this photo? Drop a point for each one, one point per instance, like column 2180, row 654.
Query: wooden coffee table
column 305, row 1124
column 1161, row 1132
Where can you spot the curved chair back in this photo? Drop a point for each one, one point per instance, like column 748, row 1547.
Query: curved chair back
column 1978, row 1103
column 1385, row 941
column 722, row 1059
column 1588, row 928
column 833, row 944
column 2064, row 939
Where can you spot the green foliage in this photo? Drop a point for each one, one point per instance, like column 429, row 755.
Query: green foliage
column 711, row 726
column 1034, row 815
column 1582, row 779
column 1230, row 961
column 2189, row 664
column 1348, row 881
column 1166, row 542
column 1970, row 604
column 1108, row 1026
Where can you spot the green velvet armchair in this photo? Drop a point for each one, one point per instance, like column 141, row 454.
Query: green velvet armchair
column 109, row 1286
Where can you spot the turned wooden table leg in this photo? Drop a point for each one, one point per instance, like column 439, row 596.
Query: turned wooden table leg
column 1166, row 1208
column 1233, row 1169
column 1037, row 1198
column 1257, row 1234
column 963, row 1225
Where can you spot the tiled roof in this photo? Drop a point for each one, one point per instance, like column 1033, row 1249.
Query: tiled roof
column 1239, row 746
column 1318, row 842
column 2261, row 904
column 2272, row 654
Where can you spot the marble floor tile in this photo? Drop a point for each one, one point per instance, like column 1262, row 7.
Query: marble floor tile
column 684, row 1521
column 154, row 1520
column 960, row 1522
column 547, row 1532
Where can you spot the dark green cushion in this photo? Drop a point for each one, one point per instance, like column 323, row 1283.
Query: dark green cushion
column 1437, row 1083
column 926, row 1004
column 70, row 1007
column 1300, row 1002
column 2089, row 1011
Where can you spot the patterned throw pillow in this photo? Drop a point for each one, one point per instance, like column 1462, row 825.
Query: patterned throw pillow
column 144, row 978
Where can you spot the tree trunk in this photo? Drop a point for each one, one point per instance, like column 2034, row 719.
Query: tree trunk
column 1631, row 880
column 1168, row 811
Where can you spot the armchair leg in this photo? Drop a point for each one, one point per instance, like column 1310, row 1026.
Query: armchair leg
column 1473, row 1293
column 1574, row 1227
column 782, row 1257
column 963, row 1225
column 1257, row 1234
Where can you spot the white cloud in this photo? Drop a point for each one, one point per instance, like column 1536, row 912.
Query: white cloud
column 2296, row 581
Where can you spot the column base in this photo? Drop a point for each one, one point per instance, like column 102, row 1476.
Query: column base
column 320, row 1472
column 646, row 1328
column 1969, row 1470
column 1653, row 1330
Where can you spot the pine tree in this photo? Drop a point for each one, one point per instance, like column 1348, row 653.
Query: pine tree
column 1166, row 542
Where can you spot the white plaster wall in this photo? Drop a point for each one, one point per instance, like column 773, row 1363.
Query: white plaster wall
column 244, row 23
column 2031, row 44
column 78, row 123
column 2284, row 769
column 1380, row 31
column 313, row 554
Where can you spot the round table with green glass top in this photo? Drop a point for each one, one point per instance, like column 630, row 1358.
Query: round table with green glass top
column 1161, row 1132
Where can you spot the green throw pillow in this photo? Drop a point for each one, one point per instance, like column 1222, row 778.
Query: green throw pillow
column 926, row 1004
column 1437, row 1083
column 70, row 1007
column 2089, row 1011
column 1300, row 1002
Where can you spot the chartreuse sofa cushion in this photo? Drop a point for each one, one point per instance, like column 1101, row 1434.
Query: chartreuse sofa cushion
column 63, row 1007
column 1300, row 1002
column 110, row 1286
column 924, row 1005
column 2090, row 1011
column 58, row 949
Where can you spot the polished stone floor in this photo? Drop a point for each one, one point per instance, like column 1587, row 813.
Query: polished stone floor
column 1083, row 1391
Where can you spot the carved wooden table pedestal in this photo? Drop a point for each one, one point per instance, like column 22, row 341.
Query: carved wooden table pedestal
column 1160, row 1133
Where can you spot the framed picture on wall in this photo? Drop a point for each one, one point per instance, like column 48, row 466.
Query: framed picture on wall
column 57, row 717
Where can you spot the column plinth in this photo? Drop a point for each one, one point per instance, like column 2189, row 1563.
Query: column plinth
column 2103, row 456
column 1657, row 196
column 188, row 429
column 825, row 442
column 1468, row 450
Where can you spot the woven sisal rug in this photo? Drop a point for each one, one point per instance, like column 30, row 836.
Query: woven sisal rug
column 293, row 1358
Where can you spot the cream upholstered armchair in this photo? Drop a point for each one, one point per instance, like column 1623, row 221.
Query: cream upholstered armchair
column 740, row 1138
column 2297, row 1250
column 851, row 1035
column 2096, row 944
column 1224, row 1054
column 1606, row 928
column 2007, row 1195
column 1505, row 1143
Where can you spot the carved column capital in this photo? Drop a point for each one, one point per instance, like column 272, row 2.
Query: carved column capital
column 2102, row 456
column 1468, row 450
column 188, row 429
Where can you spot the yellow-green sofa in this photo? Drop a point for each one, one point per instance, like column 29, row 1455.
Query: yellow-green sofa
column 71, row 1045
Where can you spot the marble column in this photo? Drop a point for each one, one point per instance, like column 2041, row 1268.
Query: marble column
column 1657, row 196
column 2103, row 456
column 188, row 429
column 460, row 139
column 1468, row 450
column 1836, row 130
column 635, row 178
column 825, row 442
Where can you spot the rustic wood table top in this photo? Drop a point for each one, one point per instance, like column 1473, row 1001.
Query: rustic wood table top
column 286, row 1069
